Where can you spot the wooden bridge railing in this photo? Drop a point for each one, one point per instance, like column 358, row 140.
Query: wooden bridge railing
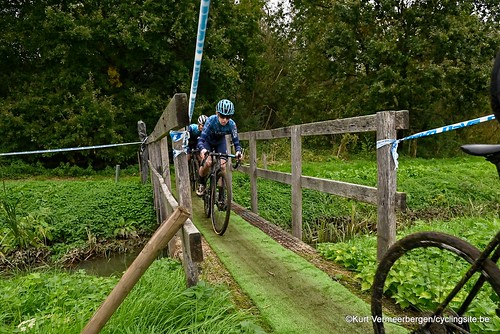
column 385, row 196
column 154, row 161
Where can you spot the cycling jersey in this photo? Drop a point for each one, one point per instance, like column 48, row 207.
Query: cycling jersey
column 194, row 133
column 213, row 135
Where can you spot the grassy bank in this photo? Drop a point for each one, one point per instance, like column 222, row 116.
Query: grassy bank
column 60, row 302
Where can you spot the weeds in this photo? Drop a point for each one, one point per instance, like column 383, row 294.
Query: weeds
column 31, row 230
column 59, row 302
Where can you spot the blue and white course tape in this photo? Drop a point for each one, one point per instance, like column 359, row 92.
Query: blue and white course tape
column 395, row 142
column 68, row 149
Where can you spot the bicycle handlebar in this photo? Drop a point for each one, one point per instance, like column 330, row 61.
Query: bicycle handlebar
column 223, row 155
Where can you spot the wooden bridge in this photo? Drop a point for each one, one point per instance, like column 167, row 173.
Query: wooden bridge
column 155, row 161
column 283, row 276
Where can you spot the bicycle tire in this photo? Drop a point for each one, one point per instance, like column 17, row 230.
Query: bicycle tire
column 220, row 206
column 450, row 245
column 207, row 203
column 192, row 175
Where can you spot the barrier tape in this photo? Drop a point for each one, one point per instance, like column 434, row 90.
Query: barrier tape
column 177, row 136
column 69, row 149
column 395, row 142
column 200, row 40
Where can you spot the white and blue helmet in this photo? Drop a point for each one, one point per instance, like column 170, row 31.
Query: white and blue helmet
column 225, row 107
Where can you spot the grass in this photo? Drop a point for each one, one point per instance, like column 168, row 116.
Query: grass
column 448, row 188
column 82, row 212
column 61, row 302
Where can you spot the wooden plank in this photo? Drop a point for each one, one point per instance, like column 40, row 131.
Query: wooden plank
column 174, row 116
column 166, row 191
column 296, row 148
column 253, row 174
column 282, row 177
column 349, row 190
column 358, row 192
column 337, row 126
column 165, row 163
column 267, row 134
column 157, row 242
column 189, row 242
column 192, row 233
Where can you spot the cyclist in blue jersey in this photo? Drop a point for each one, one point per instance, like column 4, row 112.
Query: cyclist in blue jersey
column 213, row 138
column 194, row 133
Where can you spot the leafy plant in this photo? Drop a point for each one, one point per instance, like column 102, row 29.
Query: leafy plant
column 31, row 230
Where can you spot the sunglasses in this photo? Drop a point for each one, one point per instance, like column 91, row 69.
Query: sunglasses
column 224, row 116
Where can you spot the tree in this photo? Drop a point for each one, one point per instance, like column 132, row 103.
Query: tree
column 357, row 57
column 83, row 73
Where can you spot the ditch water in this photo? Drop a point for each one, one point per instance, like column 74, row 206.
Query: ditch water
column 113, row 265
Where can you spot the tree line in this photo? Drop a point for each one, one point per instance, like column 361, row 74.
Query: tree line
column 81, row 73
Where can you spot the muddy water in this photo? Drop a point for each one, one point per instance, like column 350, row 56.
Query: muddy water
column 113, row 265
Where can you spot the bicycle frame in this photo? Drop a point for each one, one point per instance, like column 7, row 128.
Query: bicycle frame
column 217, row 198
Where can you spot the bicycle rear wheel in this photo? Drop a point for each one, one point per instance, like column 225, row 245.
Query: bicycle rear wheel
column 220, row 207
column 419, row 272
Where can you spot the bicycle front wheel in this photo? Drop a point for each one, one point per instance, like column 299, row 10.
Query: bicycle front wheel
column 221, row 195
column 419, row 272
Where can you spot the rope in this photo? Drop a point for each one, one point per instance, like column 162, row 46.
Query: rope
column 200, row 40
column 395, row 142
column 69, row 149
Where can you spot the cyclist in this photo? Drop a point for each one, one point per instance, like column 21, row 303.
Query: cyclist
column 213, row 138
column 194, row 133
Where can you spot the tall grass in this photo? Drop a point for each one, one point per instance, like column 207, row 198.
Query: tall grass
column 60, row 302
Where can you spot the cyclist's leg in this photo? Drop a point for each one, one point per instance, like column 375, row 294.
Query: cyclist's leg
column 203, row 173
column 221, row 147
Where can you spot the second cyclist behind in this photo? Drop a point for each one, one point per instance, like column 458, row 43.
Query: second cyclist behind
column 194, row 133
column 213, row 138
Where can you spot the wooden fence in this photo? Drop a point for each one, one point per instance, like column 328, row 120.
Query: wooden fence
column 154, row 161
column 385, row 196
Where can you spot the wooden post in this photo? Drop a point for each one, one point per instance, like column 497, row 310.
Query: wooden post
column 156, row 194
column 143, row 153
column 229, row 163
column 253, row 174
column 264, row 161
column 184, row 191
column 136, row 270
column 117, row 173
column 386, row 189
column 296, row 139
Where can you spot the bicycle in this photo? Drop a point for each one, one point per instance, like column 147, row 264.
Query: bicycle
column 194, row 166
column 218, row 193
column 445, row 311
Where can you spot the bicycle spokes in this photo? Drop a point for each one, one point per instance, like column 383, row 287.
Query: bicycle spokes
column 220, row 204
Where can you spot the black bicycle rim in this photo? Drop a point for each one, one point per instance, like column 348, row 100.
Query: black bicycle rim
column 424, row 241
column 192, row 174
column 221, row 204
column 207, row 205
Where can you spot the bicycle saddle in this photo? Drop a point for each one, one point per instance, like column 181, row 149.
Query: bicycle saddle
column 490, row 152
